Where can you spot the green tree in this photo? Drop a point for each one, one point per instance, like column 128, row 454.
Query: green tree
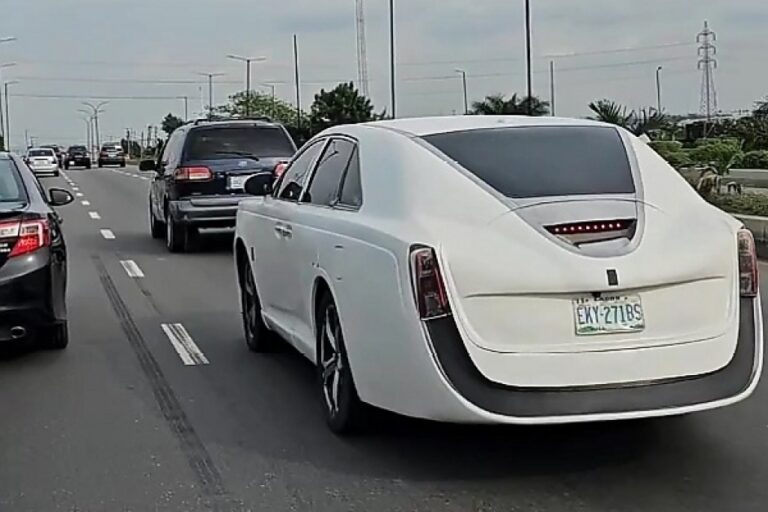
column 640, row 122
column 611, row 112
column 171, row 122
column 262, row 105
column 341, row 105
column 498, row 104
column 761, row 109
column 721, row 154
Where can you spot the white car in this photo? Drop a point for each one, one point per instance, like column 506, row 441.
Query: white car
column 500, row 270
column 42, row 161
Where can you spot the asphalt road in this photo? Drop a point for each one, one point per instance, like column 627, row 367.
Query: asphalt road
column 118, row 422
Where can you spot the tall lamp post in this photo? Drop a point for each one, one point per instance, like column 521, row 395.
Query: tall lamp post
column 464, row 87
column 97, row 109
column 247, row 61
column 529, row 70
column 2, row 122
column 658, row 88
column 210, row 76
column 274, row 99
column 392, row 78
column 7, row 130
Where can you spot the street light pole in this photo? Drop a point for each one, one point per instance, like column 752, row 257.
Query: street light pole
column 392, row 77
column 528, row 55
column 96, row 111
column 298, row 81
column 247, row 61
column 552, row 87
column 186, row 107
column 274, row 99
column 464, row 86
column 8, row 115
column 658, row 88
column 3, row 66
column 210, row 91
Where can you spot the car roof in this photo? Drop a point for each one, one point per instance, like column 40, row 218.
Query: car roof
column 422, row 126
column 39, row 148
column 231, row 122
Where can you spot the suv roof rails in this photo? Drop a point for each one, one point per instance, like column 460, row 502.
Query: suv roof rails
column 201, row 120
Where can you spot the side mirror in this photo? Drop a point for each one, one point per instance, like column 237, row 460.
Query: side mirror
column 259, row 184
column 147, row 165
column 60, row 197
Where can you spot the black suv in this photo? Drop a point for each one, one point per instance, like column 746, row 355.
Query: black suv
column 200, row 175
column 77, row 156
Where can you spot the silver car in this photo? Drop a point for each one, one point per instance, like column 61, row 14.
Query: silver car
column 42, row 161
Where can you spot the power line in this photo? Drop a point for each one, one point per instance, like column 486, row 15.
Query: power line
column 92, row 97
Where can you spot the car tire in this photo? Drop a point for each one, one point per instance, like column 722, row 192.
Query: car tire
column 258, row 337
column 100, row 164
column 87, row 166
column 176, row 236
column 57, row 337
column 342, row 407
column 55, row 174
column 156, row 227
column 66, row 167
column 122, row 164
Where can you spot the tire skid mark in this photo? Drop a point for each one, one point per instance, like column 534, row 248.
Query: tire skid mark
column 198, row 458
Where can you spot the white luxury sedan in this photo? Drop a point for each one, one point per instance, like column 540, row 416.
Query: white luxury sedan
column 499, row 270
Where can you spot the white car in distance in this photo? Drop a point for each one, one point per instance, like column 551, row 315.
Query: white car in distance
column 499, row 270
column 42, row 161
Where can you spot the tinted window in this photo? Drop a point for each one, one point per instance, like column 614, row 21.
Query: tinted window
column 11, row 186
column 237, row 142
column 351, row 191
column 325, row 183
column 41, row 152
column 292, row 182
column 76, row 148
column 542, row 161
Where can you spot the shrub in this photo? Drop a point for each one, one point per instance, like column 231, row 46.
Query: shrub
column 752, row 160
column 744, row 204
column 718, row 152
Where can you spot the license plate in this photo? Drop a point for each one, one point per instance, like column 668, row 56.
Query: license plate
column 608, row 315
column 237, row 182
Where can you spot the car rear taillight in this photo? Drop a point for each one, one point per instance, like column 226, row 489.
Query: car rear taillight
column 428, row 284
column 748, row 275
column 193, row 174
column 30, row 235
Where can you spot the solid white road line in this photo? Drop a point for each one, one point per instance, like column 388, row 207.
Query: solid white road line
column 132, row 269
column 85, row 203
column 185, row 346
column 108, row 234
column 94, row 215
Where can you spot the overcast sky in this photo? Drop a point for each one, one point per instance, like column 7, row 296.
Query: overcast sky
column 108, row 41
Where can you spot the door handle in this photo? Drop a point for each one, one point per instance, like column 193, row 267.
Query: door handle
column 280, row 230
column 288, row 231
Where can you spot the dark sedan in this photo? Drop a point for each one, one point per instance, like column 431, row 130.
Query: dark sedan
column 33, row 258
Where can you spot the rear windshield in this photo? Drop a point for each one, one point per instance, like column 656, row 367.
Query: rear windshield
column 11, row 186
column 542, row 161
column 77, row 148
column 40, row 152
column 238, row 142
column 112, row 147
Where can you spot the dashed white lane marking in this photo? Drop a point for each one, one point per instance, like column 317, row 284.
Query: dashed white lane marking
column 94, row 215
column 185, row 346
column 132, row 269
column 76, row 189
column 108, row 234
column 85, row 203
column 79, row 194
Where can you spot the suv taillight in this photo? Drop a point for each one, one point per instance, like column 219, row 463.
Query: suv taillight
column 748, row 275
column 30, row 235
column 428, row 284
column 280, row 169
column 193, row 174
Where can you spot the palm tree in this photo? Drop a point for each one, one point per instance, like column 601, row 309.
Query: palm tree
column 611, row 112
column 497, row 104
column 638, row 122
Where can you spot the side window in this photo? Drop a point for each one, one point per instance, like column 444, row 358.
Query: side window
column 294, row 178
column 170, row 153
column 351, row 191
column 324, row 188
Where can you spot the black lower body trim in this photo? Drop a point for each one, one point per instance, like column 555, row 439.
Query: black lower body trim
column 458, row 367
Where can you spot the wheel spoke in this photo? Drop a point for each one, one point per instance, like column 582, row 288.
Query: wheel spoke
column 330, row 334
column 335, row 390
column 329, row 368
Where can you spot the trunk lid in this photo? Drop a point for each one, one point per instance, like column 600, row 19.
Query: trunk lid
column 517, row 276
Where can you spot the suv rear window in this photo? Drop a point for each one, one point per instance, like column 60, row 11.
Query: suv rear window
column 41, row 152
column 76, row 148
column 11, row 186
column 542, row 161
column 238, row 142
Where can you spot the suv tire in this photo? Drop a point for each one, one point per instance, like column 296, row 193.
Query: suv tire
column 156, row 227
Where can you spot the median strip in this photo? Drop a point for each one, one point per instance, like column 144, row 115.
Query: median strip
column 185, row 346
column 132, row 269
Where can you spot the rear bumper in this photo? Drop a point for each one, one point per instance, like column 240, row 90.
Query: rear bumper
column 111, row 160
column 490, row 401
column 206, row 212
column 79, row 161
column 26, row 298
column 53, row 169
